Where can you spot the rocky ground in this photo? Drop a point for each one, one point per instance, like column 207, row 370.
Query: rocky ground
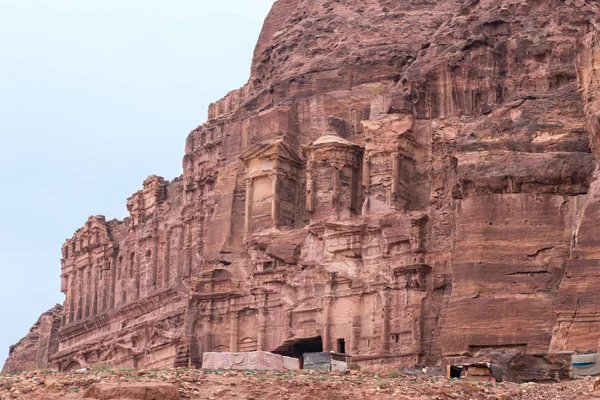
column 258, row 385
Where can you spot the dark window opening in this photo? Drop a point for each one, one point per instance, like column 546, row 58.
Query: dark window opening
column 341, row 346
column 395, row 337
column 455, row 371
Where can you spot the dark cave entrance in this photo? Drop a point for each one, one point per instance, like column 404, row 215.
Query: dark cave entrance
column 297, row 348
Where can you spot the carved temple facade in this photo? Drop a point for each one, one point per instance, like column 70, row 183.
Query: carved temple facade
column 334, row 260
column 416, row 198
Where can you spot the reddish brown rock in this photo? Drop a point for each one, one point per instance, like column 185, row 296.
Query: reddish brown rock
column 408, row 181
column 578, row 308
column 35, row 349
column 132, row 391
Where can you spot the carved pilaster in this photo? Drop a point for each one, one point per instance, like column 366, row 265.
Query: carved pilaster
column 137, row 272
column 356, row 324
column 78, row 294
column 155, row 257
column 275, row 201
column 248, row 216
column 261, row 297
column 310, row 190
column 113, row 283
column 70, row 300
column 187, row 254
column 167, row 258
column 336, row 191
column 326, row 334
column 366, row 175
column 385, row 296
column 395, row 173
column 234, row 326
column 95, row 285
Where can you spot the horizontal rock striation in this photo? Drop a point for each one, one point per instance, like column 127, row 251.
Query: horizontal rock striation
column 403, row 181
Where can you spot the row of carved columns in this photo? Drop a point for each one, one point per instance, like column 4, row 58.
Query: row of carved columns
column 111, row 281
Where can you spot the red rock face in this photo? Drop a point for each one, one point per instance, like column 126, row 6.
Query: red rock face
column 35, row 349
column 409, row 181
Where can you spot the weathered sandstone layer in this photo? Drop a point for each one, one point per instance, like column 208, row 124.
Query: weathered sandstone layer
column 35, row 349
column 404, row 181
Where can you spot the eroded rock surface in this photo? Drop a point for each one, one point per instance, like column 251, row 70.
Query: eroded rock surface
column 405, row 181
column 132, row 391
column 35, row 349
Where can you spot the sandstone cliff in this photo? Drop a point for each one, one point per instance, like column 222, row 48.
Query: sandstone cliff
column 35, row 349
column 405, row 181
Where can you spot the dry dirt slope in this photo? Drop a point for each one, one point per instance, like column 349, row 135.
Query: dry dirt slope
column 253, row 385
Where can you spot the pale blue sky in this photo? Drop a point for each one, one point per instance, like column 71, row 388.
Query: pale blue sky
column 94, row 97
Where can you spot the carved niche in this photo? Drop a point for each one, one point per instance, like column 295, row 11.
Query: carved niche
column 273, row 185
column 388, row 163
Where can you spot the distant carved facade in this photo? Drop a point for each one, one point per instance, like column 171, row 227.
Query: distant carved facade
column 412, row 194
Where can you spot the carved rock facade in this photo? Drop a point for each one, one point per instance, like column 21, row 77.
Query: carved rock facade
column 403, row 181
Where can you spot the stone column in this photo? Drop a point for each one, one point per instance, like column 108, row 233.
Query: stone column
column 336, row 193
column 326, row 324
column 261, row 298
column 275, row 201
column 78, row 294
column 88, row 289
column 70, row 297
column 366, row 175
column 262, row 329
column 124, row 277
column 95, row 284
column 154, row 269
column 366, row 183
column 167, row 258
column 187, row 264
column 310, row 189
column 113, row 281
column 181, row 256
column 81, row 294
column 385, row 326
column 395, row 173
column 137, row 272
column 234, row 328
column 209, row 335
column 104, row 285
column 196, row 237
column 248, row 216
column 356, row 325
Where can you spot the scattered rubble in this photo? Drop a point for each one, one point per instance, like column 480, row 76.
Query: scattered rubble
column 173, row 384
